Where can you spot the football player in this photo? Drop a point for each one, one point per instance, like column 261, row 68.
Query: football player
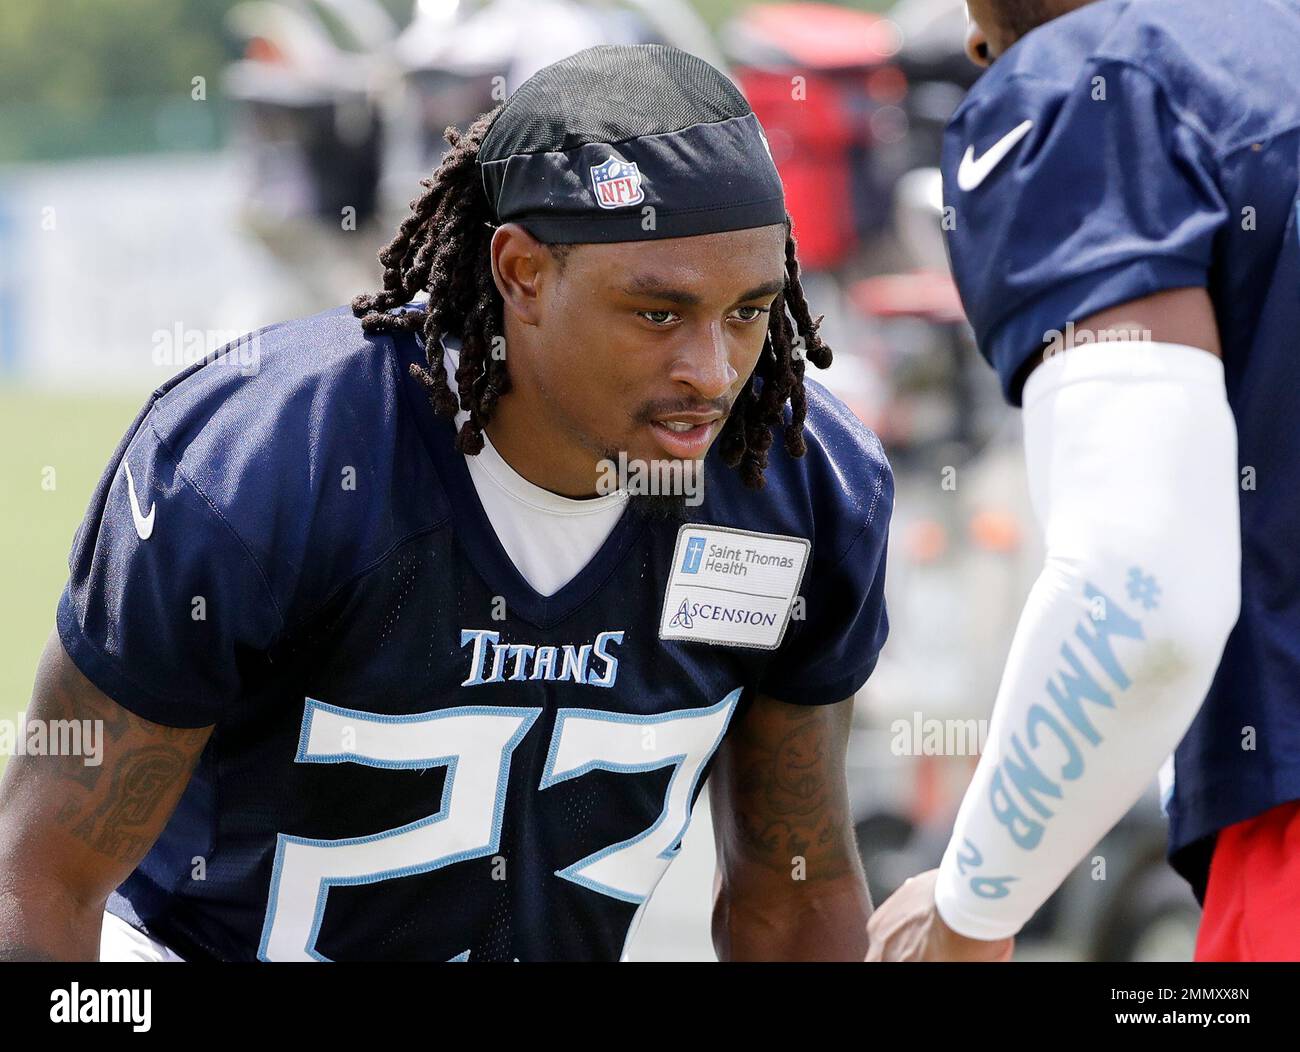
column 388, row 666
column 1122, row 185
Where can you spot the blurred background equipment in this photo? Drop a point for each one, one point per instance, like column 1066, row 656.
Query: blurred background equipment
column 176, row 172
column 821, row 80
column 309, row 124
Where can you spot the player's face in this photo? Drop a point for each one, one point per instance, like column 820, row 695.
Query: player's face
column 642, row 347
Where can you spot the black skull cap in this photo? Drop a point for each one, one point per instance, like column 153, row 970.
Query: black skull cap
column 629, row 143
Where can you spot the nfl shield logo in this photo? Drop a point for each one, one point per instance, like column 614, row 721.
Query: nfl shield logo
column 616, row 183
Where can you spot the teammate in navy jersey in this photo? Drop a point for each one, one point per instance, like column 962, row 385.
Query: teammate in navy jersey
column 341, row 721
column 1122, row 188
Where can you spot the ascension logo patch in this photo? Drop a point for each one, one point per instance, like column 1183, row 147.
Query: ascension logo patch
column 732, row 587
column 616, row 183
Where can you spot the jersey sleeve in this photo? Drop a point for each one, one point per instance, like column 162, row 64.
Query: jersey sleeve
column 830, row 652
column 1110, row 195
column 165, row 608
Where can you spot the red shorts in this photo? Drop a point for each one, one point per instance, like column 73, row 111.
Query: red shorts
column 1252, row 899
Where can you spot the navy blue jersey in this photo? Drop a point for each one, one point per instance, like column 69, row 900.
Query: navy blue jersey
column 416, row 755
column 1153, row 145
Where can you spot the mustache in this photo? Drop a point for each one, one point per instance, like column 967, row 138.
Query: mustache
column 653, row 410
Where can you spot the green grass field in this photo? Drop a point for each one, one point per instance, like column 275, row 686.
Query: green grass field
column 74, row 435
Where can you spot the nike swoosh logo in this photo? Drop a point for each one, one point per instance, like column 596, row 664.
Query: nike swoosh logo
column 143, row 523
column 972, row 172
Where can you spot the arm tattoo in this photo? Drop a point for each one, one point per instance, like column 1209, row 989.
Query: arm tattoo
column 114, row 807
column 790, row 801
column 71, row 831
column 141, row 778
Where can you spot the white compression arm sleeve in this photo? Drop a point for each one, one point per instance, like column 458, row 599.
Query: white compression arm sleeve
column 1132, row 456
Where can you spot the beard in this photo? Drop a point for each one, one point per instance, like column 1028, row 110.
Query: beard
column 670, row 507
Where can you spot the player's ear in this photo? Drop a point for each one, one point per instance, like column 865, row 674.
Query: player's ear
column 519, row 264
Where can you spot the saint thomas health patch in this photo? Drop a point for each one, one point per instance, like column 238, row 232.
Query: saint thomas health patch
column 732, row 587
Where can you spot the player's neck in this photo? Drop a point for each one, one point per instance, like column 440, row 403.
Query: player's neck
column 538, row 451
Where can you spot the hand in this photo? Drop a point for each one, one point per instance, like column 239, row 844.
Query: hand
column 907, row 927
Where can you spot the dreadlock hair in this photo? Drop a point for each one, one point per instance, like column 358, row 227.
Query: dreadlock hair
column 443, row 248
